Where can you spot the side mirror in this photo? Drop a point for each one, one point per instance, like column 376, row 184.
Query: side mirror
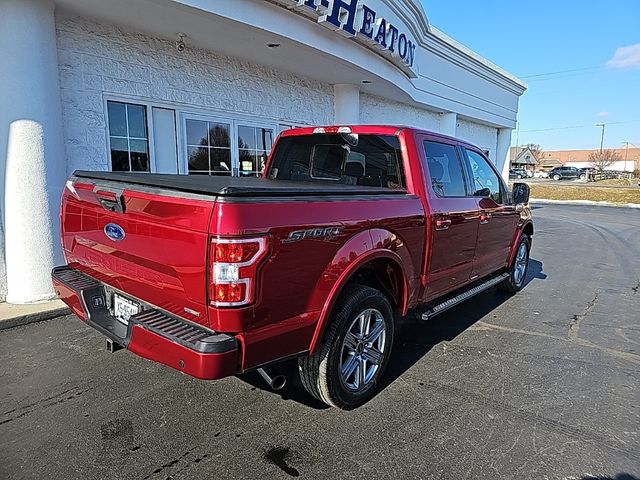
column 520, row 193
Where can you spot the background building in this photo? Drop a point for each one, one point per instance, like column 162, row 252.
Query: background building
column 199, row 86
column 630, row 158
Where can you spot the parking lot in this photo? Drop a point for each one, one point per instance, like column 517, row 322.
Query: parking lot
column 544, row 384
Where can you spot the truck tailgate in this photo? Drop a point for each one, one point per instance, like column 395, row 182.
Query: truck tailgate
column 148, row 243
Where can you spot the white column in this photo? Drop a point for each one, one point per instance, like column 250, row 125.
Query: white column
column 502, row 151
column 31, row 147
column 449, row 123
column 346, row 104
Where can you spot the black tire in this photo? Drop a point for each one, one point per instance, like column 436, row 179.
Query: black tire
column 513, row 283
column 583, row 177
column 320, row 373
column 557, row 177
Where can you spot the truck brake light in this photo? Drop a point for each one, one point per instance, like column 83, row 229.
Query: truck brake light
column 234, row 270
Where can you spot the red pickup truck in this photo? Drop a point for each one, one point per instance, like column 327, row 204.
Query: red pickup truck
column 348, row 228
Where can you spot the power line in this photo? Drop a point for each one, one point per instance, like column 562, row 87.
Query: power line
column 575, row 126
column 560, row 71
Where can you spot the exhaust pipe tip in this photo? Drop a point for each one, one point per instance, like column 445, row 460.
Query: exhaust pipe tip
column 276, row 381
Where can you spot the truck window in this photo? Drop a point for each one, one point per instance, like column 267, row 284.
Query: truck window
column 485, row 179
column 359, row 159
column 444, row 169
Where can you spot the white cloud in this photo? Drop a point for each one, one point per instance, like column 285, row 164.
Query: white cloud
column 603, row 114
column 626, row 57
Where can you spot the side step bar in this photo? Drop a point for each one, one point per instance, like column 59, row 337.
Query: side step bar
column 467, row 294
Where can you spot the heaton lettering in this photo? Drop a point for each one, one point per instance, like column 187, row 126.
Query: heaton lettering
column 356, row 19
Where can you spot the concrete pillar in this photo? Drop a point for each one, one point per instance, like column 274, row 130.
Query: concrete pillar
column 449, row 123
column 502, row 151
column 32, row 157
column 346, row 104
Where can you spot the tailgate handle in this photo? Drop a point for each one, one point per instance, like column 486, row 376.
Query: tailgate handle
column 111, row 200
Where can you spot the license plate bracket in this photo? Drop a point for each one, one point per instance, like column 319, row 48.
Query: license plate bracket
column 123, row 308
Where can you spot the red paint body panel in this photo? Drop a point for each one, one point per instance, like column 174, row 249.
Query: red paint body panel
column 163, row 259
column 206, row 366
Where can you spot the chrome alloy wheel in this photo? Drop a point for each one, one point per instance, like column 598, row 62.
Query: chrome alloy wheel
column 363, row 350
column 520, row 266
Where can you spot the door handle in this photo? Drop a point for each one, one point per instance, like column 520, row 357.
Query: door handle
column 443, row 223
column 485, row 217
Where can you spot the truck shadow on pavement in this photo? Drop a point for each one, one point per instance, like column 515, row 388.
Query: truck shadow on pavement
column 414, row 339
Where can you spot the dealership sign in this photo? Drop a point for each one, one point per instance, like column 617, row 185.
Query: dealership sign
column 355, row 19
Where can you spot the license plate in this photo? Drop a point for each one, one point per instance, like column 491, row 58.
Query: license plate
column 124, row 308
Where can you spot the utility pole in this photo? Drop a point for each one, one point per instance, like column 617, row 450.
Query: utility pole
column 602, row 136
column 626, row 154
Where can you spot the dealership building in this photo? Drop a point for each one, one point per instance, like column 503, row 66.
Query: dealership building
column 204, row 87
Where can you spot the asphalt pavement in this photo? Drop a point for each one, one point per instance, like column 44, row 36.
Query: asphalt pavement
column 544, row 384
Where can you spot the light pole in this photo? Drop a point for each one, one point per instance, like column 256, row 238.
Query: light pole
column 602, row 136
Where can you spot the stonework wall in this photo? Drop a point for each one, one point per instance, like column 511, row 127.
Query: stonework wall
column 377, row 110
column 97, row 59
column 482, row 136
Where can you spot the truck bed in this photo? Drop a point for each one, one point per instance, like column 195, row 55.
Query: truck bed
column 234, row 186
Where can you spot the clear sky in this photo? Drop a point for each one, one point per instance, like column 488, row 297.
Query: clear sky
column 585, row 40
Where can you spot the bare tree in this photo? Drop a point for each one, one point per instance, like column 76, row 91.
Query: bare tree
column 603, row 159
column 536, row 149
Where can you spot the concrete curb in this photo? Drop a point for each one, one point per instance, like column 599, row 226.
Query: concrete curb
column 33, row 317
column 585, row 202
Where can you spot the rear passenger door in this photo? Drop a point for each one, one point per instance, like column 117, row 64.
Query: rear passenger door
column 498, row 216
column 453, row 217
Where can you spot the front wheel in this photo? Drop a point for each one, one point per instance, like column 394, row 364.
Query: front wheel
column 345, row 370
column 583, row 177
column 556, row 177
column 518, row 269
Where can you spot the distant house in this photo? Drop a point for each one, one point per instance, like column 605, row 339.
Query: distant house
column 524, row 159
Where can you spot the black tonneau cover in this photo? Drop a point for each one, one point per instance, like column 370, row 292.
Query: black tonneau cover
column 234, row 186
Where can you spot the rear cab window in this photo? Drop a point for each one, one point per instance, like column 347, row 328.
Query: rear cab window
column 339, row 158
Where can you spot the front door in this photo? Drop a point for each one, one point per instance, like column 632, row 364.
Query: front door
column 453, row 219
column 498, row 216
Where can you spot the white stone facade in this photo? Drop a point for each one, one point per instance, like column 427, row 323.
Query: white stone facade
column 97, row 60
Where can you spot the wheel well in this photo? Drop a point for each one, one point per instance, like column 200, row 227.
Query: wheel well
column 528, row 230
column 384, row 275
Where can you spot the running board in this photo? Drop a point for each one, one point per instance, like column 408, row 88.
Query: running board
column 466, row 295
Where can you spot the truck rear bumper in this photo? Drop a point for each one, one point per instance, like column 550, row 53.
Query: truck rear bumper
column 151, row 333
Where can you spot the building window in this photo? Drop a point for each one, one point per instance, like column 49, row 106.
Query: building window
column 208, row 147
column 254, row 145
column 128, row 137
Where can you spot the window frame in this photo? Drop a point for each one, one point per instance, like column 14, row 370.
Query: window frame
column 180, row 110
column 504, row 191
column 461, row 164
column 148, row 121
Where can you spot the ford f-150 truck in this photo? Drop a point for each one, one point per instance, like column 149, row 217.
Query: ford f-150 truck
column 347, row 228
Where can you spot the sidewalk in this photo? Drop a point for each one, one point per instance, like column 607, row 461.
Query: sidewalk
column 15, row 315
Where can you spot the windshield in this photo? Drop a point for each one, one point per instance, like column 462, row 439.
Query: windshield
column 354, row 159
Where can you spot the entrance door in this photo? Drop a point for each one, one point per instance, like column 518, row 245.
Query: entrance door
column 453, row 219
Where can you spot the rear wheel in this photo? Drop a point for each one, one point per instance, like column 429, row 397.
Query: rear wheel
column 345, row 370
column 518, row 270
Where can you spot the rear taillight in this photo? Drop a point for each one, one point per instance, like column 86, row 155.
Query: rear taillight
column 234, row 270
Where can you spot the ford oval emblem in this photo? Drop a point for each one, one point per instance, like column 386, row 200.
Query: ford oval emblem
column 114, row 231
